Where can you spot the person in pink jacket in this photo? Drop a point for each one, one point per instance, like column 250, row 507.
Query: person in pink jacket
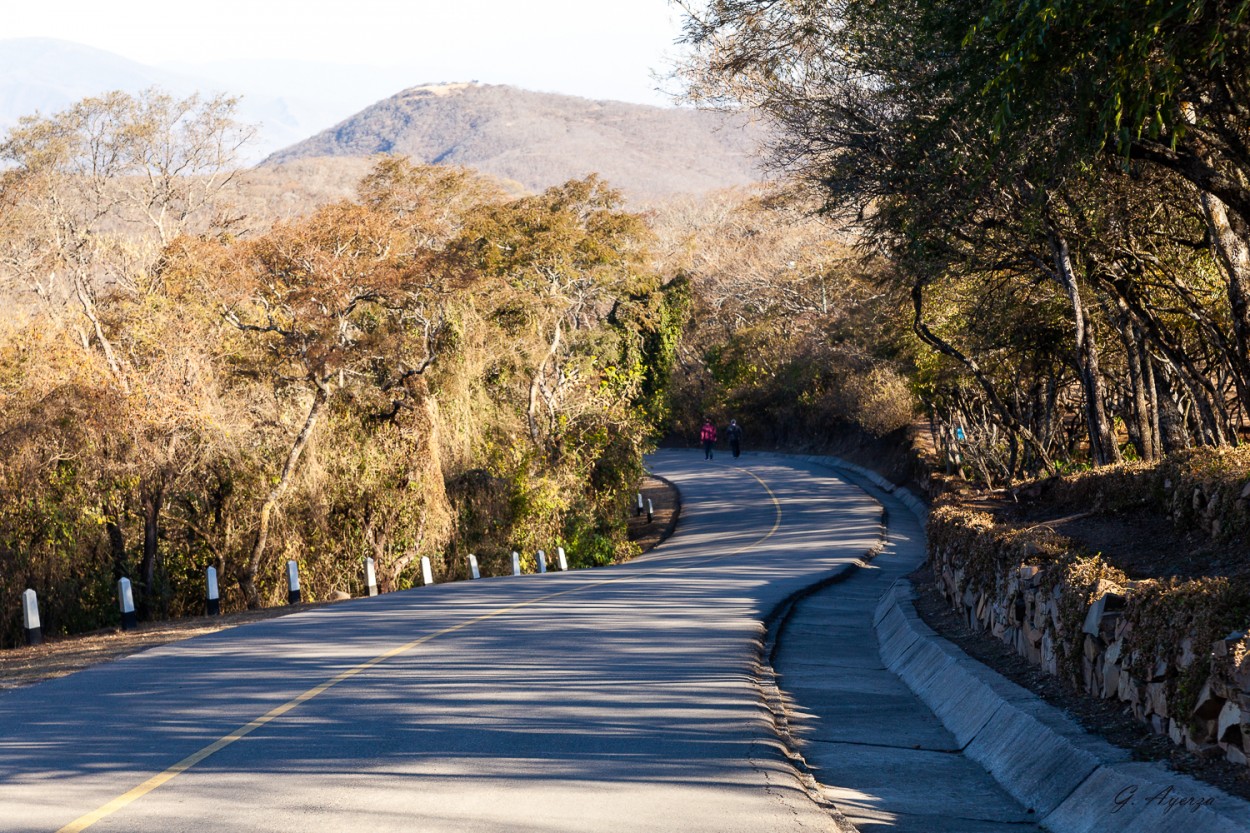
column 708, row 437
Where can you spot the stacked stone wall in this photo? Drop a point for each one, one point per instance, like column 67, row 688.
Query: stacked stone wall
column 1176, row 653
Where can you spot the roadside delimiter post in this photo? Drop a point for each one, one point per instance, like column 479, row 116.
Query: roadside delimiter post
column 427, row 572
column 371, row 578
column 126, row 601
column 212, row 598
column 292, row 583
column 30, row 618
column 473, row 571
column 516, row 563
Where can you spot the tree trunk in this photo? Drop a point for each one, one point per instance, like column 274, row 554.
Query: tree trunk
column 1231, row 248
column 1144, row 427
column 1172, row 433
column 1102, row 445
column 88, row 308
column 1009, row 419
column 531, row 412
column 1213, row 420
column 153, row 500
column 247, row 578
column 1144, row 410
column 1152, row 391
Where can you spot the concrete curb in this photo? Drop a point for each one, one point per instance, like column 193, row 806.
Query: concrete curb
column 671, row 527
column 1074, row 781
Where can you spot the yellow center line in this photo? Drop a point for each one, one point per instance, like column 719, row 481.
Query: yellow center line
column 776, row 506
column 156, row 781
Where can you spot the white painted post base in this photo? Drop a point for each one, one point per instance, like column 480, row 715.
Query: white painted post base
column 564, row 562
column 542, row 561
column 650, row 510
column 427, row 572
column 371, row 578
column 126, row 601
column 292, row 583
column 473, row 570
column 30, row 618
column 516, row 564
column 638, row 514
column 212, row 603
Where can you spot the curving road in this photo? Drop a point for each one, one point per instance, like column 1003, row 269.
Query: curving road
column 616, row 699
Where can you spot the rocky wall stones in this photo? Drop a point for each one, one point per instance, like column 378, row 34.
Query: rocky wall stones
column 1162, row 648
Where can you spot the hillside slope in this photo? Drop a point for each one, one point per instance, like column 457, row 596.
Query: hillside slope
column 540, row 139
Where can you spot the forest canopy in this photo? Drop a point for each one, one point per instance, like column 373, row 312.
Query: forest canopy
column 1060, row 188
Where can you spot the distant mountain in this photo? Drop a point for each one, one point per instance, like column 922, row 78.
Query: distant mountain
column 541, row 139
column 47, row 75
column 530, row 139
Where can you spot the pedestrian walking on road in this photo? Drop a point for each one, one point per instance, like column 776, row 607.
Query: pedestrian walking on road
column 708, row 436
column 734, row 434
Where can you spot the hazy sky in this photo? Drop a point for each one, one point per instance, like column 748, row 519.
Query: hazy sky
column 594, row 48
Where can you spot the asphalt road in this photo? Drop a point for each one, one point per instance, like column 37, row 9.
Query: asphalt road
column 613, row 699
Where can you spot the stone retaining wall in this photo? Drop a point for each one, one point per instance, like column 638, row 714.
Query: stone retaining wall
column 1175, row 652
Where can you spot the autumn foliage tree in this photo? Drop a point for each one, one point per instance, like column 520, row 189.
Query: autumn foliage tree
column 427, row 370
column 790, row 330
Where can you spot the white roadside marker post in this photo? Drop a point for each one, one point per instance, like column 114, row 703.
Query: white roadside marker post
column 516, row 563
column 371, row 578
column 212, row 598
column 292, row 583
column 473, row 570
column 542, row 561
column 564, row 562
column 126, row 601
column 30, row 618
column 638, row 514
column 650, row 510
column 427, row 572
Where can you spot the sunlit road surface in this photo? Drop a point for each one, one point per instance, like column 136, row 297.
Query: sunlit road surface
column 612, row 699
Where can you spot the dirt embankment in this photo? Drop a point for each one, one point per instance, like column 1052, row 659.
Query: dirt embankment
column 666, row 506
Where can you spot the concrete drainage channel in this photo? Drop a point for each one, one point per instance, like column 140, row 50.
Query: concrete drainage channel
column 1069, row 780
column 778, row 704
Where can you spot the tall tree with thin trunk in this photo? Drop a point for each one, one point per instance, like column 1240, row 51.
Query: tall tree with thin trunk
column 310, row 292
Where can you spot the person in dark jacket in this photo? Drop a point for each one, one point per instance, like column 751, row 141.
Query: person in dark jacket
column 708, row 436
column 734, row 434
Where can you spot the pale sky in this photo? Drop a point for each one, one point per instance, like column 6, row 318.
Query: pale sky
column 592, row 48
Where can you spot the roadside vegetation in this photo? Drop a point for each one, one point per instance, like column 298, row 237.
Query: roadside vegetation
column 1026, row 225
column 792, row 331
column 1061, row 189
column 427, row 368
